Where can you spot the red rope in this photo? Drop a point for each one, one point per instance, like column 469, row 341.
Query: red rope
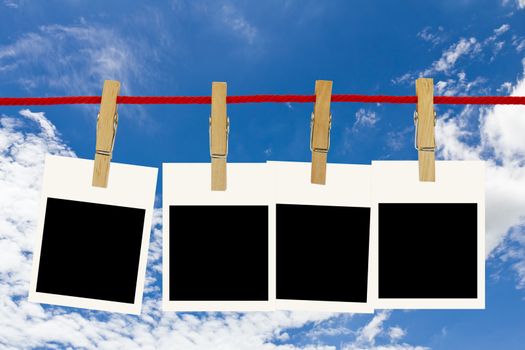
column 44, row 101
column 460, row 100
column 480, row 100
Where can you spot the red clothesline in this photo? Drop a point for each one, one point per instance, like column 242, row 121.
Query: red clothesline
column 459, row 100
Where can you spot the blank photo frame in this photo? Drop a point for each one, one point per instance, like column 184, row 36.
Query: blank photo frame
column 217, row 248
column 322, row 238
column 92, row 242
column 430, row 235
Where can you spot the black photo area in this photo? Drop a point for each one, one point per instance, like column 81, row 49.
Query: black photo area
column 90, row 250
column 218, row 253
column 322, row 252
column 428, row 250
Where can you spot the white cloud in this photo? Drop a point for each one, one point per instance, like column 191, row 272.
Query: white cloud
column 396, row 140
column 237, row 22
column 369, row 332
column 434, row 37
column 505, row 88
column 396, row 333
column 463, row 48
column 447, row 62
column 504, row 125
column 225, row 17
column 73, row 59
column 47, row 127
column 504, row 28
column 374, row 334
column 405, row 78
column 21, row 163
column 365, row 118
column 24, row 141
column 494, row 41
column 458, row 85
column 368, row 335
column 513, row 252
column 449, row 57
column 11, row 4
column 519, row 3
column 498, row 46
column 520, row 45
column 518, row 42
column 333, row 327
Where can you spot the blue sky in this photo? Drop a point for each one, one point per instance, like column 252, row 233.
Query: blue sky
column 178, row 48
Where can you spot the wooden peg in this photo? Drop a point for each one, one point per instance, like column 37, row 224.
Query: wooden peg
column 219, row 130
column 106, row 130
column 425, row 124
column 320, row 130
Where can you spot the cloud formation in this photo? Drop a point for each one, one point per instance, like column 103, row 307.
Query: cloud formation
column 76, row 59
column 367, row 336
column 463, row 49
column 365, row 118
column 237, row 22
column 434, row 37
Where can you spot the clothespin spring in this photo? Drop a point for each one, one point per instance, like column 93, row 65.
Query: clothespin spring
column 110, row 151
column 312, row 148
column 216, row 155
column 416, row 122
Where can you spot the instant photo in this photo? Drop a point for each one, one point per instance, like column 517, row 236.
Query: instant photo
column 430, row 235
column 92, row 243
column 322, row 238
column 216, row 243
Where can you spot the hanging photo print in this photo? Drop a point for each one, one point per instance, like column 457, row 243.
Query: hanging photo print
column 216, row 243
column 431, row 235
column 322, row 238
column 92, row 242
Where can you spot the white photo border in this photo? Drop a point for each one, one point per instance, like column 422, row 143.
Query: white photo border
column 71, row 179
column 190, row 184
column 346, row 185
column 456, row 182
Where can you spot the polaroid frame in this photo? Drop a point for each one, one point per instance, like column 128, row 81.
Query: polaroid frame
column 189, row 184
column 71, row 179
column 347, row 185
column 456, row 182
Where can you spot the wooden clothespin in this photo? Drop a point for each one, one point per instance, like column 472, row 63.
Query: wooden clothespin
column 320, row 130
column 219, row 131
column 107, row 121
column 425, row 122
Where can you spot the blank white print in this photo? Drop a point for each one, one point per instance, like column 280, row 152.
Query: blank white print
column 347, row 188
column 405, row 202
column 67, row 183
column 187, row 195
